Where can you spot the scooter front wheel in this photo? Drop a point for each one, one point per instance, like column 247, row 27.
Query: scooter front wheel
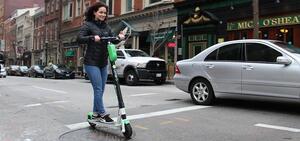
column 128, row 131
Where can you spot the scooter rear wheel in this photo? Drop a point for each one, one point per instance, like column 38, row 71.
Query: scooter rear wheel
column 128, row 131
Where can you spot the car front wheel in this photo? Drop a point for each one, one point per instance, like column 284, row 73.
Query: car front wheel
column 131, row 78
column 201, row 92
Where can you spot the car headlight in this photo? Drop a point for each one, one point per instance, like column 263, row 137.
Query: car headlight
column 141, row 65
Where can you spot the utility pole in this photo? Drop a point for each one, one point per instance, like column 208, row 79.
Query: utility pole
column 255, row 4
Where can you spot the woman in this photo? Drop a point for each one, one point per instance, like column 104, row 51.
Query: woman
column 95, row 59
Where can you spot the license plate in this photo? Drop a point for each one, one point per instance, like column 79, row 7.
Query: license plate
column 67, row 74
column 158, row 75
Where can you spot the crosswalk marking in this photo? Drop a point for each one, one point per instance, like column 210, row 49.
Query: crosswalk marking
column 277, row 127
column 142, row 116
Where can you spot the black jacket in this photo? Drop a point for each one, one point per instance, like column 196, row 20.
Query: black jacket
column 96, row 53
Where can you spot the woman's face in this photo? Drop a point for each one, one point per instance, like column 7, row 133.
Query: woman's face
column 100, row 15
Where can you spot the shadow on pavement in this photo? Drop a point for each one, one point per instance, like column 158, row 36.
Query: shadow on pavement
column 261, row 104
column 92, row 134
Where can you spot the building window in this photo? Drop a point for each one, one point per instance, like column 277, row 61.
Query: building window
column 78, row 7
column 57, row 5
column 104, row 1
column 56, row 31
column 109, row 3
column 153, row 1
column 285, row 35
column 265, row 34
column 128, row 5
column 52, row 5
column 48, row 8
column 67, row 11
column 86, row 5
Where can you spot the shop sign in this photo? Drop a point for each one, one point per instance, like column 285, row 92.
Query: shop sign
column 265, row 22
column 171, row 44
column 70, row 53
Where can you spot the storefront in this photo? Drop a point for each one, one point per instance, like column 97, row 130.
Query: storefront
column 70, row 56
column 284, row 28
column 197, row 31
column 202, row 24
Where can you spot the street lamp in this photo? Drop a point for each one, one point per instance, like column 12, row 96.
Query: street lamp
column 46, row 51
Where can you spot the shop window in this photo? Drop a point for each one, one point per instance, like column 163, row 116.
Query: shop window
column 244, row 35
column 236, row 35
column 285, row 35
column 265, row 34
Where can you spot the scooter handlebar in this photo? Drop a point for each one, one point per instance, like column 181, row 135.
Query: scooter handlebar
column 109, row 39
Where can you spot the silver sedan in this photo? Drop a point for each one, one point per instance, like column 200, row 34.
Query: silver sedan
column 242, row 67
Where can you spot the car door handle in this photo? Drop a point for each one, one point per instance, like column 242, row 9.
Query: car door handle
column 247, row 67
column 210, row 66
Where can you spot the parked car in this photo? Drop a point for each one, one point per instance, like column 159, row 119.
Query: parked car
column 13, row 70
column 58, row 71
column 22, row 70
column 36, row 71
column 2, row 71
column 243, row 67
column 135, row 65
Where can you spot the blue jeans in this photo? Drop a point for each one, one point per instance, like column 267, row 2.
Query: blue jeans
column 98, row 77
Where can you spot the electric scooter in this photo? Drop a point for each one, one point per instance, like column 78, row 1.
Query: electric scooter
column 122, row 121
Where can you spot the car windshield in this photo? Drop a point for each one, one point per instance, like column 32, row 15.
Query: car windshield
column 62, row 67
column 136, row 53
column 39, row 67
column 288, row 47
column 23, row 67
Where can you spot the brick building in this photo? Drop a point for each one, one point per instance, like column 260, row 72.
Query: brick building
column 52, row 25
column 38, row 51
column 9, row 6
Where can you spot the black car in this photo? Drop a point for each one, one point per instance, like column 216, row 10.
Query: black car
column 13, row 70
column 22, row 71
column 36, row 71
column 58, row 71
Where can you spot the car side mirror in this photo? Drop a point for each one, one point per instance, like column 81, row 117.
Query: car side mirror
column 283, row 60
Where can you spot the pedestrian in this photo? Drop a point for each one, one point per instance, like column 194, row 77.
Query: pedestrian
column 96, row 57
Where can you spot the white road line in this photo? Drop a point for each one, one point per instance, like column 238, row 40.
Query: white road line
column 144, row 94
column 141, row 116
column 55, row 102
column 57, row 91
column 277, row 127
column 40, row 104
column 33, row 105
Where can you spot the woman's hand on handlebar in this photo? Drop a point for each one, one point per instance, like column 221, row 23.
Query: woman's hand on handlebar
column 121, row 35
column 97, row 38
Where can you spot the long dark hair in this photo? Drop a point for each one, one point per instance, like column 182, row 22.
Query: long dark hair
column 89, row 13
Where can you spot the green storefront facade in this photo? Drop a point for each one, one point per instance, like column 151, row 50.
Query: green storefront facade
column 203, row 23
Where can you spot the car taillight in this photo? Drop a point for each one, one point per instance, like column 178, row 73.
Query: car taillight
column 177, row 69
